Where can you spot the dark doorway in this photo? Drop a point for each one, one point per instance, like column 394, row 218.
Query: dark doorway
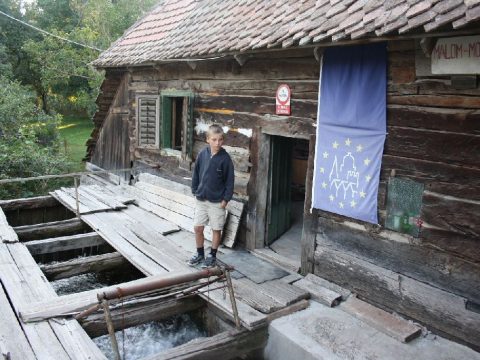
column 286, row 195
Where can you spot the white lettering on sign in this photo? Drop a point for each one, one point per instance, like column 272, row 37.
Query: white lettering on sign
column 457, row 55
column 282, row 100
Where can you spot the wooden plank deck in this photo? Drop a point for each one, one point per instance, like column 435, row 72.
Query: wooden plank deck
column 25, row 284
column 152, row 243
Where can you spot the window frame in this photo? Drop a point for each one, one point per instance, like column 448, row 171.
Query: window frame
column 166, row 111
column 138, row 100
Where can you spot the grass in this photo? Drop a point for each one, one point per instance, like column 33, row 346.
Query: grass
column 74, row 132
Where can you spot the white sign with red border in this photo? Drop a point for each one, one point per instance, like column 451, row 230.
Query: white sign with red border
column 282, row 100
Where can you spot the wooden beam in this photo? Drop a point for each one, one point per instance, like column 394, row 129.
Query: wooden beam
column 394, row 326
column 12, row 338
column 63, row 243
column 439, row 310
column 29, row 203
column 261, row 190
column 138, row 312
column 226, row 345
column 50, row 229
column 83, row 265
column 309, row 218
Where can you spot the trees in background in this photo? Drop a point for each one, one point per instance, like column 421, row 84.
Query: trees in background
column 59, row 71
column 42, row 77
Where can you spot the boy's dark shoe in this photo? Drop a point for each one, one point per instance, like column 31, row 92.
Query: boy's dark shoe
column 195, row 259
column 210, row 261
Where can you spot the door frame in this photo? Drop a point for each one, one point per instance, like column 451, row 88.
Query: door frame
column 257, row 215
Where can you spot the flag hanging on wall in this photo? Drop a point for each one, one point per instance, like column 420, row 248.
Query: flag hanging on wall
column 351, row 130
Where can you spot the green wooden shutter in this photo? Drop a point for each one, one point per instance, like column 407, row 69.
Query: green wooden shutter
column 166, row 135
column 147, row 121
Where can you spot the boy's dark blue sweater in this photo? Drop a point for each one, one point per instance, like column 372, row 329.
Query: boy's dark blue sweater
column 213, row 176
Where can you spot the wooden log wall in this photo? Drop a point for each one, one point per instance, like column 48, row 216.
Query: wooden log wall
column 433, row 138
column 239, row 97
column 109, row 146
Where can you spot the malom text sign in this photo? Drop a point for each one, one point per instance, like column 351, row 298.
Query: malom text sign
column 282, row 100
column 456, row 55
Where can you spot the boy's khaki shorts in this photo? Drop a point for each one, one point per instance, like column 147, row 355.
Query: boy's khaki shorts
column 209, row 213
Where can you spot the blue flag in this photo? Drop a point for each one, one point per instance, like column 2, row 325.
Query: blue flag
column 351, row 130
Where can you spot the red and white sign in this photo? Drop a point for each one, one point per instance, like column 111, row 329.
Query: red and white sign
column 283, row 100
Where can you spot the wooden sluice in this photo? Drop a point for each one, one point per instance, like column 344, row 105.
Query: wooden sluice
column 150, row 224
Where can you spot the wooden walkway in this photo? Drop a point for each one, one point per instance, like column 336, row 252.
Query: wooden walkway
column 155, row 235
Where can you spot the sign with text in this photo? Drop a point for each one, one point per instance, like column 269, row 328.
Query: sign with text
column 283, row 100
column 456, row 55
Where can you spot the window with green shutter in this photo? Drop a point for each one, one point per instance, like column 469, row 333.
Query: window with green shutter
column 177, row 122
column 148, row 121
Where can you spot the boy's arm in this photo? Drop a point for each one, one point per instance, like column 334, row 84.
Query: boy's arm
column 195, row 176
column 228, row 194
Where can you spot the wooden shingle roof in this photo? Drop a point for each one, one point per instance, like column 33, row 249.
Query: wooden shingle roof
column 183, row 29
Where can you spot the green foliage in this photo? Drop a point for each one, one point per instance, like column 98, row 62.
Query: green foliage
column 29, row 144
column 41, row 76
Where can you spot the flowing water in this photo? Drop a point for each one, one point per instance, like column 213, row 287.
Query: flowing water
column 90, row 281
column 138, row 341
column 152, row 338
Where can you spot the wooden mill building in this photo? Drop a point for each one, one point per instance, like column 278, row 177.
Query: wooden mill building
column 190, row 63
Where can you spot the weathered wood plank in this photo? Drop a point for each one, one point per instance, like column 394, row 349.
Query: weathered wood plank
column 451, row 242
column 272, row 256
column 437, row 176
column 51, row 229
column 84, row 265
column 282, row 292
column 139, row 312
column 7, row 234
column 154, row 222
column 73, row 304
column 226, row 345
column 319, row 293
column 102, row 196
column 249, row 317
column 101, row 222
column 393, row 326
column 433, row 118
column 25, row 284
column 250, row 293
column 309, row 217
column 438, row 309
column 450, row 101
column 429, row 265
column 69, row 202
column 254, row 104
column 28, row 203
column 63, row 243
column 433, row 145
column 169, row 188
column 321, row 282
column 181, row 215
column 452, row 213
column 12, row 338
column 86, row 199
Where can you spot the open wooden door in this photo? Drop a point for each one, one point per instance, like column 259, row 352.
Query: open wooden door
column 280, row 168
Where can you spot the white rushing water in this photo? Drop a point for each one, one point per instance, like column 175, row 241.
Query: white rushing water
column 152, row 338
column 77, row 284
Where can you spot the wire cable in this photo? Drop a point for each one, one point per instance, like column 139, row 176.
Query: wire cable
column 50, row 34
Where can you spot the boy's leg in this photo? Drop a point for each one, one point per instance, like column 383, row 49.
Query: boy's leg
column 199, row 221
column 217, row 220
column 216, row 238
column 199, row 237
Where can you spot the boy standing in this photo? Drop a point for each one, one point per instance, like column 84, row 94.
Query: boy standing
column 212, row 186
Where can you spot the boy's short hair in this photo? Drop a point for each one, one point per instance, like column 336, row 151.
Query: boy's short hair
column 214, row 129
